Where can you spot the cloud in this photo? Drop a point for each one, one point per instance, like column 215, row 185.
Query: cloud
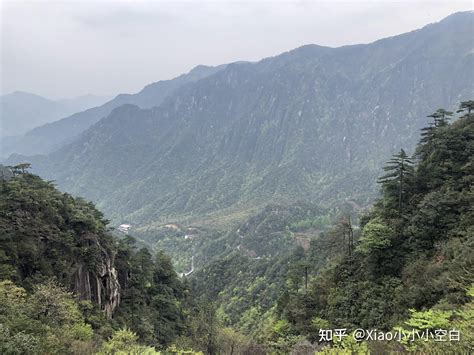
column 117, row 15
column 68, row 48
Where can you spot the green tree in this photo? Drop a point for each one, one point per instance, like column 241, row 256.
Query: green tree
column 441, row 117
column 376, row 235
column 400, row 169
column 467, row 107
column 20, row 168
column 125, row 342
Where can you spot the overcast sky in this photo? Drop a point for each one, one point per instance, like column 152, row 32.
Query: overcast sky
column 61, row 49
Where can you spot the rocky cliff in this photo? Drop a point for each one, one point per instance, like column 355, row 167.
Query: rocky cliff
column 46, row 234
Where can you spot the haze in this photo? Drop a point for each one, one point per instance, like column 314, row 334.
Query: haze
column 64, row 49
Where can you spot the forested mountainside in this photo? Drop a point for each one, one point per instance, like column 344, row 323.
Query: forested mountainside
column 409, row 266
column 315, row 123
column 266, row 233
column 22, row 111
column 282, row 282
column 67, row 285
column 52, row 136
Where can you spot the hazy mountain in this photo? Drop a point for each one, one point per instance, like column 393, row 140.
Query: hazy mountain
column 51, row 136
column 315, row 123
column 22, row 111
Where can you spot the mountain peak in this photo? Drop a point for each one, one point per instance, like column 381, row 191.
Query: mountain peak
column 23, row 95
column 200, row 68
column 458, row 16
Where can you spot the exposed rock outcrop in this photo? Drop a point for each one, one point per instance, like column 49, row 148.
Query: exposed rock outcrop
column 99, row 285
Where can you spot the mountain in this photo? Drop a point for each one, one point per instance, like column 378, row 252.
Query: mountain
column 22, row 111
column 66, row 283
column 403, row 267
column 51, row 136
column 315, row 123
column 412, row 264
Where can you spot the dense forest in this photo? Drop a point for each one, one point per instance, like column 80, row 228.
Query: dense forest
column 294, row 278
column 408, row 264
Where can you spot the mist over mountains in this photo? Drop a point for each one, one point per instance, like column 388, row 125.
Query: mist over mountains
column 21, row 111
column 273, row 207
column 52, row 136
column 314, row 123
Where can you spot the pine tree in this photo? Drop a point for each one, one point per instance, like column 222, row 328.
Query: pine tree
column 443, row 117
column 440, row 119
column 20, row 168
column 427, row 133
column 466, row 106
column 399, row 168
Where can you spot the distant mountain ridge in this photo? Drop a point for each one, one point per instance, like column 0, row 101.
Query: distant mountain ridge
column 314, row 123
column 21, row 111
column 52, row 136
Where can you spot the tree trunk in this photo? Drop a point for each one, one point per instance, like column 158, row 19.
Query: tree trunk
column 400, row 189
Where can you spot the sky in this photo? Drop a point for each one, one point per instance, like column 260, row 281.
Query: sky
column 61, row 49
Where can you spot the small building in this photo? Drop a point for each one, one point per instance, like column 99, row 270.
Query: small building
column 124, row 228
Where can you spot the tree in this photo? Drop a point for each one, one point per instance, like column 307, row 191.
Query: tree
column 466, row 106
column 124, row 341
column 231, row 342
column 45, row 322
column 441, row 117
column 21, row 168
column 44, row 235
column 375, row 236
column 349, row 233
column 399, row 168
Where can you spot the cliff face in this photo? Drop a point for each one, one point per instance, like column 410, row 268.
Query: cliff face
column 101, row 285
column 46, row 234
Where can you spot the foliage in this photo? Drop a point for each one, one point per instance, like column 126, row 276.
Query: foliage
column 453, row 329
column 415, row 256
column 46, row 321
column 269, row 284
column 65, row 275
column 125, row 342
column 375, row 236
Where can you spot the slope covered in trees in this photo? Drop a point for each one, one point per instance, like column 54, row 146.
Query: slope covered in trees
column 410, row 265
column 68, row 284
column 413, row 265
column 274, row 283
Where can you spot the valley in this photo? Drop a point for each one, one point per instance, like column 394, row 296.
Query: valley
column 252, row 207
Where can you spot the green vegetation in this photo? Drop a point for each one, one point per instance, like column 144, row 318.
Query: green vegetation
column 409, row 267
column 47, row 320
column 68, row 285
column 413, row 264
column 274, row 229
column 270, row 284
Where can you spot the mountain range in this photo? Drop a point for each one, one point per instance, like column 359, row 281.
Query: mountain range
column 315, row 123
column 22, row 111
column 53, row 135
